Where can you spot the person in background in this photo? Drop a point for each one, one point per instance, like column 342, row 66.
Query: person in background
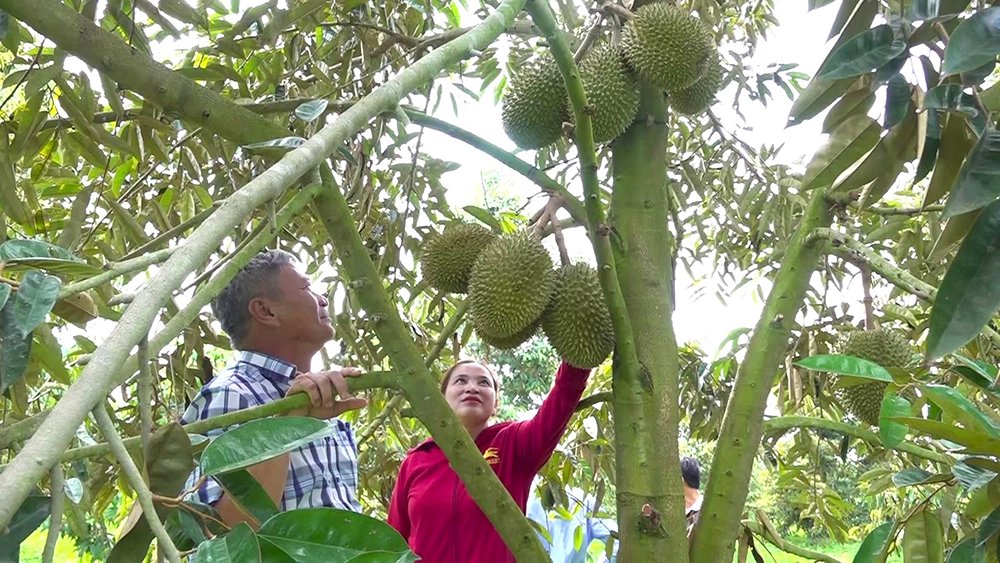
column 691, row 473
column 430, row 506
column 277, row 323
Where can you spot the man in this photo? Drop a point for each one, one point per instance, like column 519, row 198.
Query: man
column 277, row 323
column 691, row 473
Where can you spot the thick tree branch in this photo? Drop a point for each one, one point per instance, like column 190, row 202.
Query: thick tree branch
column 728, row 483
column 783, row 424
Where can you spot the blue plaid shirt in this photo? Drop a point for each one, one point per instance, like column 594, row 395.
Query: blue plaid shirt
column 322, row 473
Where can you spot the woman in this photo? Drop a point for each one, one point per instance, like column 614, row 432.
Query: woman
column 430, row 506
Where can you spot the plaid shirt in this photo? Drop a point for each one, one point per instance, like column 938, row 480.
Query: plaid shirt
column 322, row 473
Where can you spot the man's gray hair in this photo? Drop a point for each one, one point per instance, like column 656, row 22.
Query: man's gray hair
column 256, row 279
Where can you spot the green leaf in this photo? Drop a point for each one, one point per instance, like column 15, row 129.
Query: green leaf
column 4, row 294
column 852, row 139
column 816, row 97
column 72, row 268
column 327, row 534
column 916, row 476
column 846, row 365
column 892, row 433
column 975, row 42
column 977, row 442
column 285, row 143
column 955, row 405
column 26, row 520
column 966, row 551
column 260, row 440
column 932, row 140
column 35, row 298
column 968, row 296
column 311, row 110
column 484, row 217
column 14, row 349
column 970, row 476
column 897, row 101
column 863, row 53
column 873, row 544
column 989, row 527
column 238, row 546
column 977, row 184
column 855, row 102
column 953, row 97
column 246, row 491
column 25, row 248
column 923, row 538
column 955, row 145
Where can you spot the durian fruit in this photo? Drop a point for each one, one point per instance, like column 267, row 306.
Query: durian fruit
column 886, row 348
column 514, row 341
column 698, row 97
column 577, row 321
column 535, row 105
column 667, row 46
column 510, row 285
column 611, row 90
column 448, row 258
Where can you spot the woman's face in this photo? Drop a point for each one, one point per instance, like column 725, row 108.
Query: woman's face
column 471, row 393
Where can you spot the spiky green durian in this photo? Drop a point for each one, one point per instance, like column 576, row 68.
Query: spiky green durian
column 667, row 46
column 535, row 105
column 448, row 258
column 611, row 91
column 577, row 321
column 886, row 348
column 698, row 97
column 510, row 285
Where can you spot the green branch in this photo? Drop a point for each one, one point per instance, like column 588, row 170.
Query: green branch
column 783, row 424
column 739, row 438
column 114, row 270
column 416, row 381
column 785, row 545
column 542, row 180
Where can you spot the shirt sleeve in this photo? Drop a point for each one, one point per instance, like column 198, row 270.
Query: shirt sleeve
column 399, row 515
column 538, row 437
column 213, row 401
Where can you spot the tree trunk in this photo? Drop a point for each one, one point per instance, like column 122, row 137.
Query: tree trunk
column 649, row 492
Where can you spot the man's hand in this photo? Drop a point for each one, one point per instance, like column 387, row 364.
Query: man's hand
column 323, row 388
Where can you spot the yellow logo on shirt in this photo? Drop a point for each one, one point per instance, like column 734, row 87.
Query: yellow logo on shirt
column 492, row 456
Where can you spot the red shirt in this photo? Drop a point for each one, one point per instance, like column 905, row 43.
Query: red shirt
column 433, row 511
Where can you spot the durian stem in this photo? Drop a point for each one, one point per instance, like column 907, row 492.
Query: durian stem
column 780, row 425
column 715, row 535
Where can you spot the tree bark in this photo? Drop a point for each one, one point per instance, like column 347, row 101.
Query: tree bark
column 646, row 411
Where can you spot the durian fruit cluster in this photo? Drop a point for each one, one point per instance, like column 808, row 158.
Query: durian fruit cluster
column 663, row 45
column 886, row 348
column 514, row 290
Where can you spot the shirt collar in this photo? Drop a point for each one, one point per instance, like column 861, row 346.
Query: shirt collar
column 696, row 505
column 275, row 369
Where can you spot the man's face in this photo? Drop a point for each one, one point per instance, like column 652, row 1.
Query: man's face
column 300, row 312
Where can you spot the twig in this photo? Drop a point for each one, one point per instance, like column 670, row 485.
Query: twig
column 866, row 288
column 145, row 396
column 56, row 483
column 114, row 270
column 24, row 76
column 134, row 476
column 588, row 41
